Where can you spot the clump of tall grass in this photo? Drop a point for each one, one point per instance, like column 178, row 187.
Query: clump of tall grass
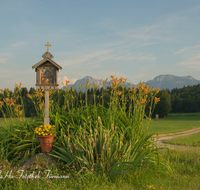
column 107, row 141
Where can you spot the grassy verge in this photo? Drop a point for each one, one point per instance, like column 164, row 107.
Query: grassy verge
column 185, row 166
column 189, row 140
column 174, row 124
column 175, row 114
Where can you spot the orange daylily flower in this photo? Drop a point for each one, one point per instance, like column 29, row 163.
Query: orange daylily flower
column 12, row 102
column 143, row 86
column 67, row 82
column 157, row 89
column 28, row 95
column 146, row 91
column 51, row 92
column 156, row 99
column 112, row 76
column 20, row 84
column 119, row 92
column 122, row 79
column 96, row 84
column 1, row 90
column 115, row 83
column 143, row 100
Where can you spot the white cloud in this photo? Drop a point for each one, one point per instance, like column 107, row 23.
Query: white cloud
column 147, row 44
column 188, row 49
column 138, row 57
column 4, row 57
column 18, row 44
column 191, row 61
column 63, row 80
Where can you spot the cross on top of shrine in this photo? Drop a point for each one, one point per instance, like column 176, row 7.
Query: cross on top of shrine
column 47, row 46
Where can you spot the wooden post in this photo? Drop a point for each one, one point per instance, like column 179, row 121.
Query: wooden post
column 46, row 117
column 157, row 117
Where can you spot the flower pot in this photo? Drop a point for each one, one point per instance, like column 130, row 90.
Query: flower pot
column 46, row 142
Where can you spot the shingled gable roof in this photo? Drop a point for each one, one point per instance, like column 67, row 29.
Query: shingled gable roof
column 44, row 60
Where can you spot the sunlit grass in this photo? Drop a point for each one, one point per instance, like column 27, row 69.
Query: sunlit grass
column 185, row 166
column 174, row 124
column 188, row 140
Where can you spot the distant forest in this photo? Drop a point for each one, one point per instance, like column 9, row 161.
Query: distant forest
column 183, row 100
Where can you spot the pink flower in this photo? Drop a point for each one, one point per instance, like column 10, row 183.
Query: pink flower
column 79, row 181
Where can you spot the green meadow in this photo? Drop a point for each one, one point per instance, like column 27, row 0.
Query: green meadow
column 175, row 123
column 96, row 147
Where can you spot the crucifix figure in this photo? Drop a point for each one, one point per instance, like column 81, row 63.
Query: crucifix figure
column 47, row 46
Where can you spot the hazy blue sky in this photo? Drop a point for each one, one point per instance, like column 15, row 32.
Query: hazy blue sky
column 137, row 40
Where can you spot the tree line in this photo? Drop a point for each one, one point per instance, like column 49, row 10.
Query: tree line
column 183, row 100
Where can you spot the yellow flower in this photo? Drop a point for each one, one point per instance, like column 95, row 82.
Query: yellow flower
column 39, row 133
column 50, row 133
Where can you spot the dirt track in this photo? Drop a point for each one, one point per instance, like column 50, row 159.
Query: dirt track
column 160, row 142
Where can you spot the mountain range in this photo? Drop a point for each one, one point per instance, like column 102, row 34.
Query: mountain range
column 161, row 81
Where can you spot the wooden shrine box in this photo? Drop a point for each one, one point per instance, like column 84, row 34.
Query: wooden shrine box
column 47, row 72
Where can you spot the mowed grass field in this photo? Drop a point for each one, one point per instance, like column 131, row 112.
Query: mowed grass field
column 175, row 123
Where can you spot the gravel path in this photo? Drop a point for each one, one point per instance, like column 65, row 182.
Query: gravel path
column 160, row 142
